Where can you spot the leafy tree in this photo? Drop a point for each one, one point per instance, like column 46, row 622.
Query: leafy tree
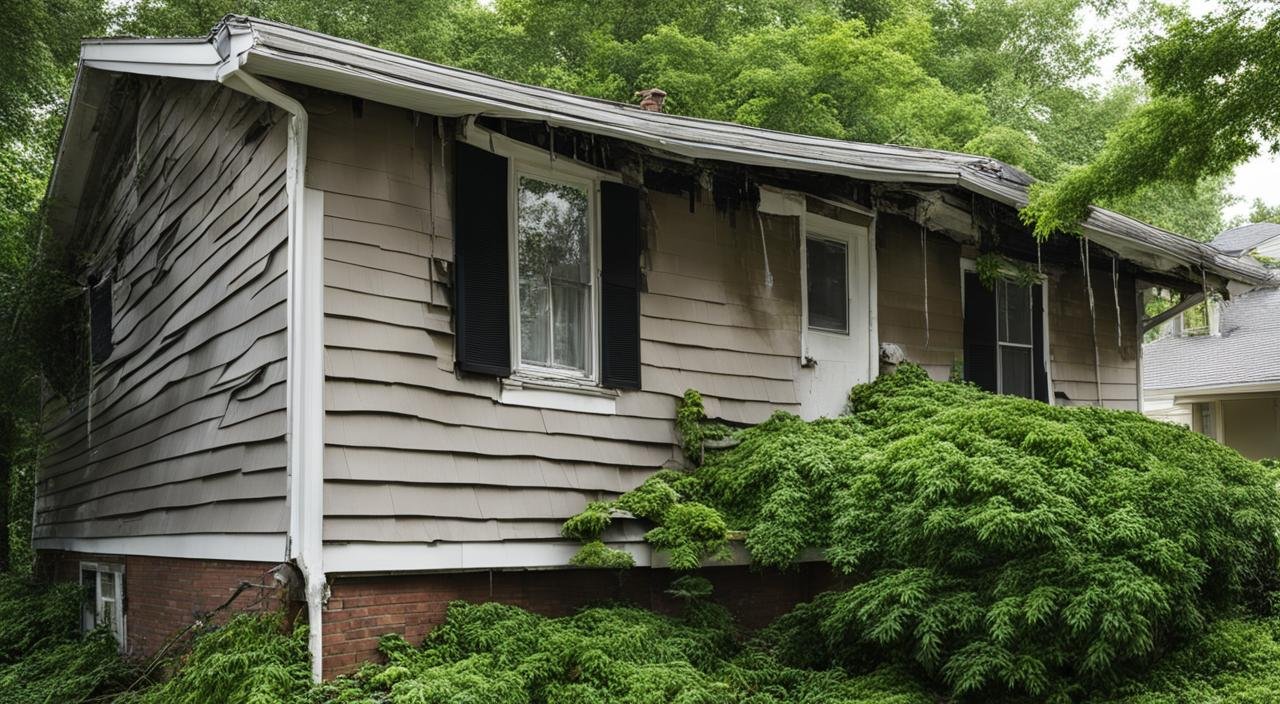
column 1213, row 83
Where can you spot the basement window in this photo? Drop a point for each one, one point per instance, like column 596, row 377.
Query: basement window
column 103, row 605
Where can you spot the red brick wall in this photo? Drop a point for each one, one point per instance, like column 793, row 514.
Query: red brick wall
column 362, row 609
column 165, row 595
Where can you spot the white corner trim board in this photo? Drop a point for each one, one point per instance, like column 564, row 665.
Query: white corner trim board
column 305, row 314
column 252, row 547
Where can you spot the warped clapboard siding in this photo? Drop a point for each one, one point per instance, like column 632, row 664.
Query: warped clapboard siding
column 415, row 453
column 901, row 298
column 183, row 429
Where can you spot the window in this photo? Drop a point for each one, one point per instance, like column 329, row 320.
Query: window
column 554, row 270
column 100, row 311
column 104, row 598
column 1005, row 348
column 1015, row 343
column 1208, row 419
column 828, row 280
column 547, row 273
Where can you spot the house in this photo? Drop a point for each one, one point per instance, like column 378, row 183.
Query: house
column 377, row 326
column 1221, row 376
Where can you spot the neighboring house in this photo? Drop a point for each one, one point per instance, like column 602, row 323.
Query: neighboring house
column 1259, row 238
column 1224, row 380
column 388, row 323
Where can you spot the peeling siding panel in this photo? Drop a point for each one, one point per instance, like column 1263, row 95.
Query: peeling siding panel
column 416, row 453
column 183, row 430
column 1071, row 338
column 901, row 269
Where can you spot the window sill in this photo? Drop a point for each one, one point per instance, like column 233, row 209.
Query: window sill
column 559, row 395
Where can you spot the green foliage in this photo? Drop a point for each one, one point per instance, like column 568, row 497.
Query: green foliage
column 497, row 653
column 42, row 655
column 250, row 660
column 1213, row 82
column 596, row 554
column 589, row 524
column 998, row 543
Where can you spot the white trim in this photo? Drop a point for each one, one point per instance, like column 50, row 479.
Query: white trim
column 873, row 321
column 516, row 169
column 251, row 547
column 533, row 394
column 305, row 379
column 1251, row 387
column 357, row 558
column 118, row 601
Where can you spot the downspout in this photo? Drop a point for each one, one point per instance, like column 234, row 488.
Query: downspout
column 305, row 380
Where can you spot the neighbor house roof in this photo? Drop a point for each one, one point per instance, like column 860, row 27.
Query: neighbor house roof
column 1247, row 352
column 1244, row 239
column 270, row 49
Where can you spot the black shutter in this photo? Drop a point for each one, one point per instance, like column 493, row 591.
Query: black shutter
column 620, row 286
column 1041, row 377
column 979, row 333
column 100, row 312
column 481, row 271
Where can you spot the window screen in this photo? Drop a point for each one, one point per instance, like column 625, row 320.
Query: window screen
column 1016, row 343
column 828, row 273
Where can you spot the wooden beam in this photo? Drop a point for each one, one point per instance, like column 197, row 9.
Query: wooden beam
column 1186, row 302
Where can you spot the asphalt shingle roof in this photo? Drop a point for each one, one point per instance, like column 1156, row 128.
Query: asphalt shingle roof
column 1246, row 238
column 1247, row 351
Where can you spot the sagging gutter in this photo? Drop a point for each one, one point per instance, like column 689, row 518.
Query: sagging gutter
column 305, row 379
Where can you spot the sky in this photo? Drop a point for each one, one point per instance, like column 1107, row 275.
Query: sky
column 1259, row 178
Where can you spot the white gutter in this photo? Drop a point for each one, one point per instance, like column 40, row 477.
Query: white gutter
column 305, row 380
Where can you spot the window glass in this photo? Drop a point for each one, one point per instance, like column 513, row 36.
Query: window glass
column 828, row 274
column 1208, row 423
column 1014, row 322
column 554, row 259
column 1015, row 313
column 1015, row 371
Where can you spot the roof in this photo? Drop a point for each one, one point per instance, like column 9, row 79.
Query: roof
column 1247, row 351
column 1244, row 239
column 271, row 49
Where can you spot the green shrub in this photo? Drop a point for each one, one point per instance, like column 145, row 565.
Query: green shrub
column 250, row 660
column 997, row 544
column 43, row 657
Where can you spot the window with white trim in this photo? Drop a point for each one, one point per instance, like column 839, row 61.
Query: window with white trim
column 555, row 236
column 1014, row 339
column 104, row 598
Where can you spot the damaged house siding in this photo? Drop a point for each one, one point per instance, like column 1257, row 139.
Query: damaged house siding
column 181, row 437
column 419, row 455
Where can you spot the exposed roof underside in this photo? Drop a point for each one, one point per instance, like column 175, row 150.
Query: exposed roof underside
column 1247, row 351
column 1244, row 239
column 270, row 49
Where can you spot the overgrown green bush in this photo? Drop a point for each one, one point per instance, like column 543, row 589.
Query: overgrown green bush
column 43, row 657
column 999, row 544
column 252, row 659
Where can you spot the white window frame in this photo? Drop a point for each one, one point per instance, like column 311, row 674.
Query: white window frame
column 532, row 385
column 517, row 169
column 968, row 265
column 117, row 609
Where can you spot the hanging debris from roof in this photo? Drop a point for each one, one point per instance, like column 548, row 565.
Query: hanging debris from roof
column 1093, row 317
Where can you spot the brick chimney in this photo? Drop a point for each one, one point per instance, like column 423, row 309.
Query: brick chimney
column 651, row 99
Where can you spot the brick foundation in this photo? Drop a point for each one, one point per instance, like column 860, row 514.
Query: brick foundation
column 165, row 595
column 362, row 609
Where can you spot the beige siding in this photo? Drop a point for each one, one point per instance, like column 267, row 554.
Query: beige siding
column 1252, row 426
column 1072, row 339
column 901, row 295
column 1072, row 368
column 416, row 453
column 183, row 429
